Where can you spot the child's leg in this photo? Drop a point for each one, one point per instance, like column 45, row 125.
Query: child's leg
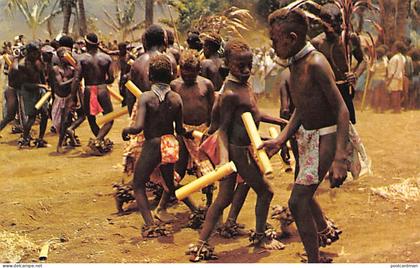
column 148, row 161
column 223, row 199
column 239, row 197
column 250, row 172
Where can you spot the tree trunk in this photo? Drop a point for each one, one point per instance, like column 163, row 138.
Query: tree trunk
column 67, row 5
column 403, row 8
column 149, row 13
column 388, row 20
column 82, row 18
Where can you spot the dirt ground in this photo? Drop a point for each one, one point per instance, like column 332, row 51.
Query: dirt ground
column 46, row 195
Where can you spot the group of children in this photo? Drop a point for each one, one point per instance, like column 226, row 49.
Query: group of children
column 202, row 97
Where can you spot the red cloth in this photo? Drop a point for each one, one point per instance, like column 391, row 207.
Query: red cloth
column 94, row 105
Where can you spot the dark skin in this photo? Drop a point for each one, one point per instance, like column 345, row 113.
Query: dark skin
column 318, row 104
column 197, row 94
column 61, row 84
column 330, row 44
column 155, row 121
column 235, row 100
column 96, row 69
column 139, row 73
column 211, row 65
column 10, row 99
column 29, row 75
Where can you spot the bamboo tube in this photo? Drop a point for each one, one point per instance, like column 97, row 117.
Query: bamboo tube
column 111, row 116
column 130, row 62
column 256, row 142
column 205, row 180
column 7, row 60
column 42, row 100
column 133, row 88
column 273, row 132
column 43, row 254
column 115, row 95
column 197, row 134
column 70, row 60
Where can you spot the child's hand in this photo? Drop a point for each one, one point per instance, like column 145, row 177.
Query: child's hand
column 271, row 147
column 125, row 135
column 285, row 155
column 351, row 78
column 338, row 173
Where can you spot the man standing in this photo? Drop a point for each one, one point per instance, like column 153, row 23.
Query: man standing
column 95, row 68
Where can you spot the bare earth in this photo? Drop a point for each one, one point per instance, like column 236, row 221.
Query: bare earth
column 46, row 195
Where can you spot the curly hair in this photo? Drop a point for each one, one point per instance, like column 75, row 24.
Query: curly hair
column 154, row 36
column 213, row 41
column 189, row 60
column 235, row 46
column 160, row 69
column 293, row 20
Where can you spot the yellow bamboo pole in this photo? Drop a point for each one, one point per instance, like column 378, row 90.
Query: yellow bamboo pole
column 111, row 116
column 133, row 88
column 205, row 180
column 70, row 60
column 42, row 100
column 115, row 95
column 254, row 136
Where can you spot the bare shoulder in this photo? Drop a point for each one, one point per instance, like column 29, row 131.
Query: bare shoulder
column 229, row 96
column 205, row 81
column 174, row 97
column 176, row 84
column 317, row 60
column 318, row 40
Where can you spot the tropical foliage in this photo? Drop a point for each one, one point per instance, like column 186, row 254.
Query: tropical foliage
column 123, row 21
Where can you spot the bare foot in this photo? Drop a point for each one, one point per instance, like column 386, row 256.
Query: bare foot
column 163, row 216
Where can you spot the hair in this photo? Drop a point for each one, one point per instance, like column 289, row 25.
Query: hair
column 189, row 60
column 213, row 41
column 329, row 8
column 66, row 41
column 171, row 37
column 122, row 46
column 33, row 47
column 293, row 20
column 235, row 46
column 380, row 51
column 194, row 41
column 400, row 47
column 154, row 36
column 160, row 69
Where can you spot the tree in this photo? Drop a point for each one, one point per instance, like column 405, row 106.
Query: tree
column 124, row 21
column 35, row 14
column 149, row 12
column 82, row 18
column 67, row 6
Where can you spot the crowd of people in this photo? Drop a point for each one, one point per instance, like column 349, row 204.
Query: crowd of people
column 205, row 89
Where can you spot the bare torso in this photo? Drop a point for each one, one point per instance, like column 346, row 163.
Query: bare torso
column 160, row 117
column 210, row 70
column 308, row 96
column 236, row 100
column 96, row 68
column 197, row 100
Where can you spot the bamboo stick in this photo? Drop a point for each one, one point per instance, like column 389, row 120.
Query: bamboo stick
column 111, row 116
column 133, row 88
column 205, row 180
column 70, row 60
column 42, row 100
column 254, row 136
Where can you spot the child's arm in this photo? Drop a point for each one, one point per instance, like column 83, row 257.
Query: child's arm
column 139, row 125
column 323, row 74
column 274, row 145
column 179, row 128
column 228, row 105
column 266, row 118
